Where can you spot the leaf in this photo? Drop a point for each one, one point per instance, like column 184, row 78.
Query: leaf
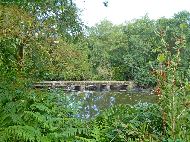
column 183, row 26
column 161, row 58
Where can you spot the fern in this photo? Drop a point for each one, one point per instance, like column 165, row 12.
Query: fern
column 36, row 116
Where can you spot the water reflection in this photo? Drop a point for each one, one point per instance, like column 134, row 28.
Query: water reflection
column 91, row 103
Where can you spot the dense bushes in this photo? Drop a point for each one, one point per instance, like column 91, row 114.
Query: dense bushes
column 34, row 115
column 141, row 122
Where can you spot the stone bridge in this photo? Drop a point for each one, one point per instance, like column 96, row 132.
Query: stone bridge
column 87, row 85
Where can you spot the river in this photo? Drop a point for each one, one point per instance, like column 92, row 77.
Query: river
column 90, row 104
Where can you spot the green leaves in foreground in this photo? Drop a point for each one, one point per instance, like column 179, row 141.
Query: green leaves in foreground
column 36, row 116
column 141, row 122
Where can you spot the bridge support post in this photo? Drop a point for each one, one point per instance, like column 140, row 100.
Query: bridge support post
column 82, row 88
column 99, row 87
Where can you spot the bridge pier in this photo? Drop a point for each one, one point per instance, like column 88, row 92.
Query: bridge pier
column 82, row 88
column 108, row 87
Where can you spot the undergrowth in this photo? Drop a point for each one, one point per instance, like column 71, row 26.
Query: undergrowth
column 35, row 116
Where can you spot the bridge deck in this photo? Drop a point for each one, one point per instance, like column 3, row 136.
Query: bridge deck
column 86, row 85
column 86, row 82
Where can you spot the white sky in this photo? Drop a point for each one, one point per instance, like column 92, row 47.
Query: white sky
column 119, row 11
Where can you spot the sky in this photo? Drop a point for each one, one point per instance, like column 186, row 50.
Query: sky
column 120, row 11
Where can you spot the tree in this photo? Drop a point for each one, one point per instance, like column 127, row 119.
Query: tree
column 40, row 29
column 104, row 39
column 141, row 42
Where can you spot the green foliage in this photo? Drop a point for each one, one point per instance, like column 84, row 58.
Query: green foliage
column 174, row 92
column 130, row 51
column 31, row 115
column 106, row 42
column 26, row 42
column 141, row 122
column 55, row 17
column 27, row 114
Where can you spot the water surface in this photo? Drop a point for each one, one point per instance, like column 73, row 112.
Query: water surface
column 91, row 103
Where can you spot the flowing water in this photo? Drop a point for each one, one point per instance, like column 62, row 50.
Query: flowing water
column 90, row 104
